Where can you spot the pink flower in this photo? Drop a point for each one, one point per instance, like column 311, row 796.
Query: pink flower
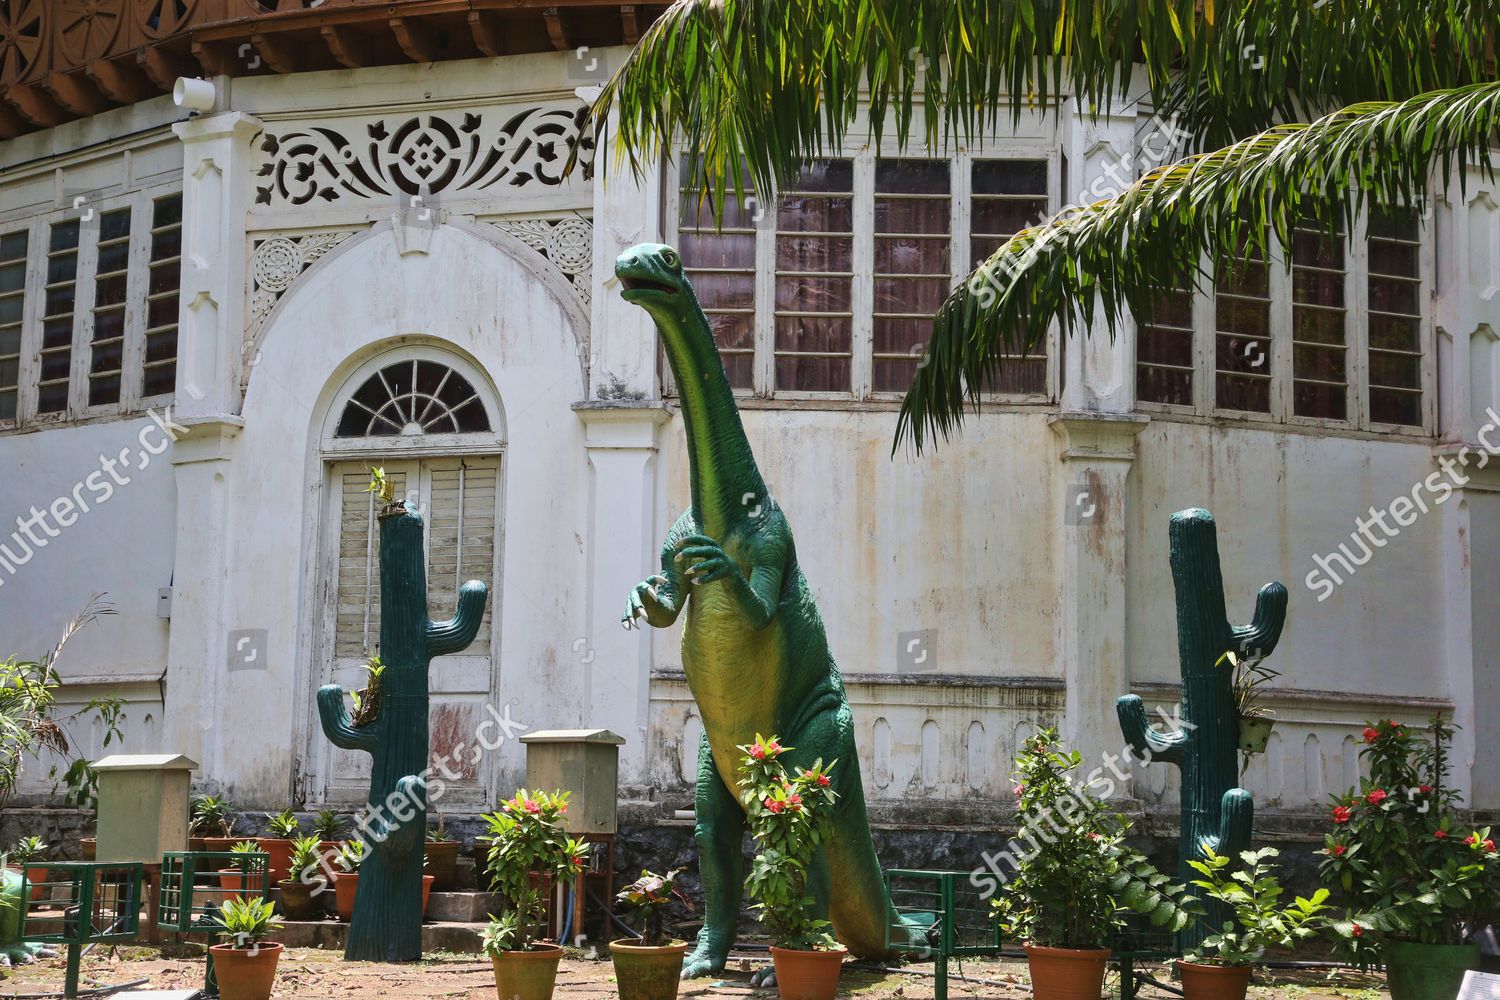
column 758, row 752
column 773, row 747
column 775, row 805
column 794, row 802
column 1371, row 734
column 532, row 806
column 1376, row 797
column 1489, row 845
column 1018, row 790
column 1341, row 814
column 823, row 781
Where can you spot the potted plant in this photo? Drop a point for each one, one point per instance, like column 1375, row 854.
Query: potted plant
column 790, row 813
column 528, row 853
column 1219, row 969
column 1417, row 884
column 1077, row 880
column 22, row 857
column 441, row 853
column 211, row 824
column 242, row 878
column 346, row 880
column 245, row 964
column 649, row 967
column 301, row 890
column 1255, row 720
column 327, row 826
column 283, row 829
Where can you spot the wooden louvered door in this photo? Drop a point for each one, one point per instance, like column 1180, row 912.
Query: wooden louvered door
column 458, row 498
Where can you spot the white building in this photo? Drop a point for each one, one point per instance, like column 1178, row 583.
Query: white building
column 374, row 212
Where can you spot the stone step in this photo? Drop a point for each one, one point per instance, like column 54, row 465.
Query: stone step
column 443, row 935
column 462, row 907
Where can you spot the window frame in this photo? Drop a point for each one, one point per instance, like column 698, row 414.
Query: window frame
column 142, row 205
column 1356, row 339
column 863, row 157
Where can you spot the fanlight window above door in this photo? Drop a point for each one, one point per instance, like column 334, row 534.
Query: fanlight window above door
column 410, row 398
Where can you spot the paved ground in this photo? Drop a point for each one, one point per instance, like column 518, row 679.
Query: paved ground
column 310, row 974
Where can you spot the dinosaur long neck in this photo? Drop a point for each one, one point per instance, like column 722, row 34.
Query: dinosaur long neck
column 725, row 480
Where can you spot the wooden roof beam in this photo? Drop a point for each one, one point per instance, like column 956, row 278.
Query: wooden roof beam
column 417, row 39
column 76, row 93
column 123, row 82
column 348, row 46
column 36, row 105
column 11, row 122
column 277, row 51
column 488, row 34
column 556, row 30
column 163, row 66
column 630, row 24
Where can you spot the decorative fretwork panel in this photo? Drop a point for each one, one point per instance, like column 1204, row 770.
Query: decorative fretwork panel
column 393, row 156
column 567, row 244
column 277, row 262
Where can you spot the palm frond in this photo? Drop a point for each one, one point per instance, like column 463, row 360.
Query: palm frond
column 1113, row 257
column 773, row 83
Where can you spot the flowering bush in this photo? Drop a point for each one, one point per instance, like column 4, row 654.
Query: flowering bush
column 790, row 814
column 525, row 839
column 1078, row 876
column 1398, row 856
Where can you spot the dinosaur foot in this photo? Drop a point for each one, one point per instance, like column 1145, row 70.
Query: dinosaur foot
column 706, row 959
column 765, row 978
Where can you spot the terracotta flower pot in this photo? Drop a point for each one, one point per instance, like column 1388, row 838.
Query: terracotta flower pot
column 526, row 975
column 808, row 975
column 246, row 973
column 196, row 844
column 222, row 844
column 298, row 901
column 88, row 847
column 345, row 885
column 36, row 874
column 1213, row 982
column 426, row 893
column 240, row 883
column 442, row 860
column 643, row 972
column 1067, row 973
column 278, row 854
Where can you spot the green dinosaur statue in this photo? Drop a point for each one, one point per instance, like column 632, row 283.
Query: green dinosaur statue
column 754, row 647
column 13, row 951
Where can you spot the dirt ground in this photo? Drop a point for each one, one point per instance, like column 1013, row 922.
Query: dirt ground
column 311, row 974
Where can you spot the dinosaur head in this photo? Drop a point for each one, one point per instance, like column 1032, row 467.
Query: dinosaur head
column 651, row 274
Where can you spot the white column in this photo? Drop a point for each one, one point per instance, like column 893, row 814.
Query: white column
column 1098, row 370
column 197, row 650
column 1097, row 452
column 216, row 182
column 627, row 211
column 624, row 548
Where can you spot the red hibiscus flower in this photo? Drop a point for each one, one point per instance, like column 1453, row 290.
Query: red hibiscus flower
column 1358, row 931
column 1376, row 797
column 1341, row 814
column 1338, row 850
column 775, row 805
column 1371, row 734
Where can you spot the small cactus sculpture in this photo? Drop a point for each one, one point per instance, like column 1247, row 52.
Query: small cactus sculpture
column 387, row 923
column 1216, row 812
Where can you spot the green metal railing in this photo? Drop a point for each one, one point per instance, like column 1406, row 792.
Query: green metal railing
column 81, row 903
column 194, row 884
column 940, row 916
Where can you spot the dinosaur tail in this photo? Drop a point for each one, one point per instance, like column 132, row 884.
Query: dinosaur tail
column 861, row 911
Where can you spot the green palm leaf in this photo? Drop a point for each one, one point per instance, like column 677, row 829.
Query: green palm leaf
column 1111, row 258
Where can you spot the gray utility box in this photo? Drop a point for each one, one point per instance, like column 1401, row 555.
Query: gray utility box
column 585, row 762
column 143, row 806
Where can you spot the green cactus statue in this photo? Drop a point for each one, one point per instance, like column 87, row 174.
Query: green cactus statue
column 387, row 923
column 1216, row 812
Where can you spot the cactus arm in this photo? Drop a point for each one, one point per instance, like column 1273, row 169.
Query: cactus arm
column 1168, row 748
column 1259, row 638
column 386, row 833
column 456, row 633
column 1236, row 817
column 336, row 725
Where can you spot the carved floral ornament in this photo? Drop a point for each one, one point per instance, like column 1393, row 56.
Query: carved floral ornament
column 391, row 156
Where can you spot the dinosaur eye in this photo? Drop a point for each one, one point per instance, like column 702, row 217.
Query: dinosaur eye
column 670, row 258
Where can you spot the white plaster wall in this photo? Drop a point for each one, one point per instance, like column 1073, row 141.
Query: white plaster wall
column 472, row 295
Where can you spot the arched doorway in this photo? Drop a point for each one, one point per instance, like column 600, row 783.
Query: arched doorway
column 431, row 420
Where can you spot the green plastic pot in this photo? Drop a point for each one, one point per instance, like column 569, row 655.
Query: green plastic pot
column 1416, row 971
